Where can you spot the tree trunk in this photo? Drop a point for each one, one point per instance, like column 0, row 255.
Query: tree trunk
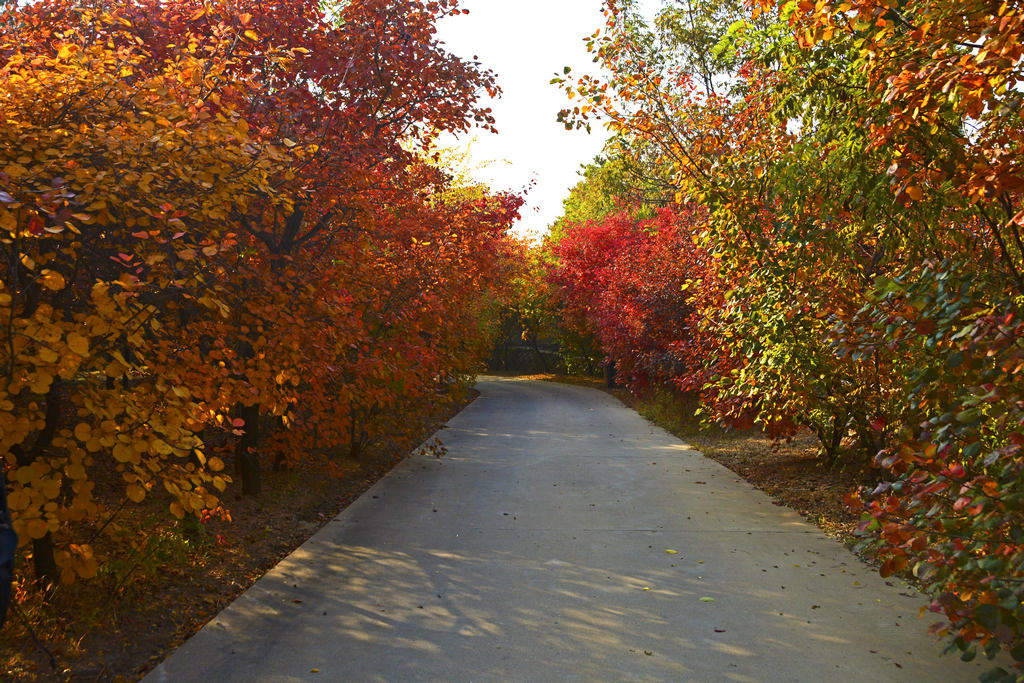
column 43, row 560
column 247, row 462
column 44, row 563
column 609, row 374
column 355, row 441
column 542, row 362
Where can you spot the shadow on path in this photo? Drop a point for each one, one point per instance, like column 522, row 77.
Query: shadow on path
column 564, row 537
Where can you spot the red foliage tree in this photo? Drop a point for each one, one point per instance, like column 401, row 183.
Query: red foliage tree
column 636, row 284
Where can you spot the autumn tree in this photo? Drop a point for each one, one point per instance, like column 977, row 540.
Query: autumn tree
column 96, row 261
column 859, row 176
column 224, row 238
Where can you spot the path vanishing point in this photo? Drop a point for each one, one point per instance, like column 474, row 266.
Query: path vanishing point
column 564, row 537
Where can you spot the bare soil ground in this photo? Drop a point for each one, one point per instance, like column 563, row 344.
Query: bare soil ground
column 123, row 623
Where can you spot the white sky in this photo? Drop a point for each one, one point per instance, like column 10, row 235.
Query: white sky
column 526, row 43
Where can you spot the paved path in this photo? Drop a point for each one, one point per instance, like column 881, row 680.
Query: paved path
column 536, row 550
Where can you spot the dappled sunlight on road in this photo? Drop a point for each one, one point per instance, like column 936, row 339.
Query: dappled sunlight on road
column 437, row 608
column 568, row 539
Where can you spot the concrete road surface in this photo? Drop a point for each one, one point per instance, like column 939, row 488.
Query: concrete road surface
column 563, row 537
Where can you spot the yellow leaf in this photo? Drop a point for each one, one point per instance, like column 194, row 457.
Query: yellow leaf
column 66, row 51
column 78, row 344
column 42, row 382
column 83, row 431
column 87, row 567
column 671, row 552
column 36, row 528
column 135, row 492
column 51, row 488
column 288, row 143
column 252, row 35
column 18, row 500
column 24, row 475
column 215, row 464
column 123, row 453
column 114, row 369
column 52, row 280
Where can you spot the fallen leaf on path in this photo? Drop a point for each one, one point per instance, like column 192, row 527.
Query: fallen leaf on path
column 707, row 599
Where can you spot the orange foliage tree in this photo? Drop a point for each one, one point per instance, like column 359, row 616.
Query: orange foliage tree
column 222, row 234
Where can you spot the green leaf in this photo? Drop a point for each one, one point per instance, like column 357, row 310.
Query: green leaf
column 988, row 616
column 995, row 675
column 966, row 416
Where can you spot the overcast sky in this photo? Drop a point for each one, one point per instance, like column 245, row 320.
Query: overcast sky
column 526, row 43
